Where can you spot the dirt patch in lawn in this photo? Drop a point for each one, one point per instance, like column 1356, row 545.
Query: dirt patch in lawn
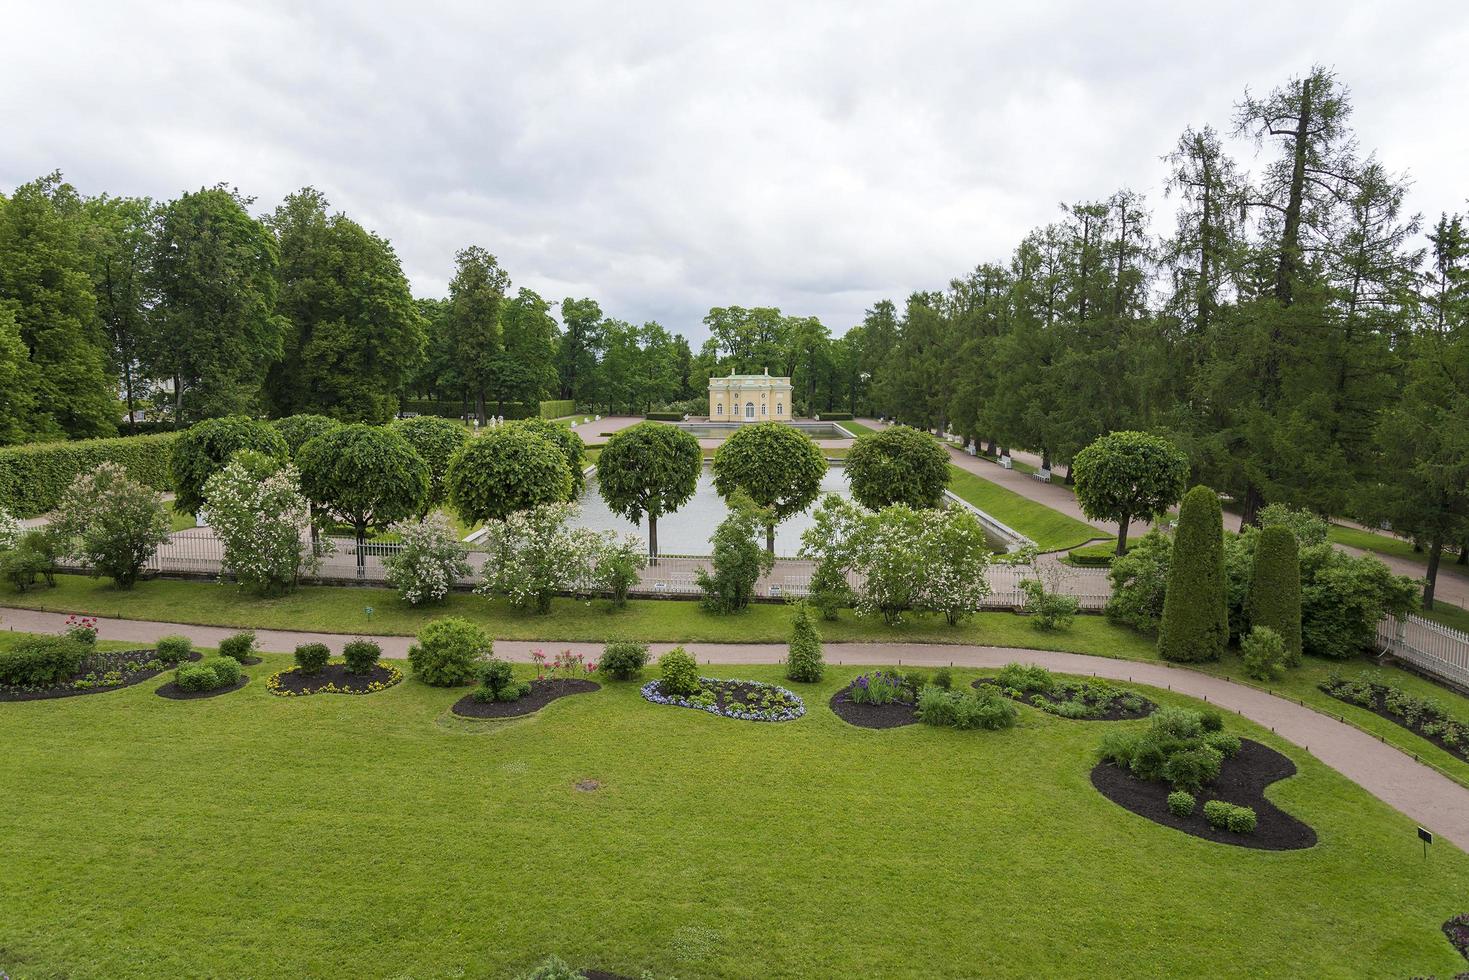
column 541, row 694
column 1242, row 781
column 333, row 679
column 893, row 714
column 172, row 691
column 94, row 675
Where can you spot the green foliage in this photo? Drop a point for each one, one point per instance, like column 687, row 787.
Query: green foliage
column 738, row 561
column 1195, row 624
column 1307, row 528
column 449, row 652
column 497, row 682
column 552, row 968
column 361, row 656
column 1275, row 589
column 436, row 441
column 112, row 523
column 312, row 657
column 533, row 554
column 678, row 673
column 1129, row 475
column 430, row 561
column 239, row 647
column 298, row 430
column 623, row 660
column 366, row 475
column 1264, row 654
column 619, row 561
column 1026, row 678
column 34, row 477
column 1191, row 769
column 36, row 554
column 505, row 470
column 556, row 408
column 261, row 518
column 649, row 469
column 1140, row 583
column 173, row 649
column 943, row 678
column 569, row 443
column 1049, row 610
column 207, row 446
column 966, row 710
column 1227, row 816
column 803, row 660
column 898, row 465
column 774, row 465
column 1181, row 803
column 1181, row 746
column 41, row 661
column 1344, row 596
column 208, row 675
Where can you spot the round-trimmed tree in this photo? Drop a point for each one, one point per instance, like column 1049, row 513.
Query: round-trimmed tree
column 898, row 465
column 506, row 469
column 571, row 446
column 366, row 475
column 775, row 465
column 436, row 440
column 649, row 469
column 1125, row 475
column 298, row 430
column 1275, row 589
column 205, row 448
column 1195, row 608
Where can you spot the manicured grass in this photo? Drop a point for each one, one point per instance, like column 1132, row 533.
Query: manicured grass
column 1386, row 544
column 1050, row 529
column 376, row 836
column 1448, row 615
column 180, row 522
column 857, row 428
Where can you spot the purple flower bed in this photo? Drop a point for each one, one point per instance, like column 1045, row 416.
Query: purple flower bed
column 1457, row 929
column 741, row 699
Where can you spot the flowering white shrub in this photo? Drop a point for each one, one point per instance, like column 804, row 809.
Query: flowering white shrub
column 9, row 530
column 111, row 523
column 263, row 522
column 534, row 555
column 431, row 560
column 616, row 563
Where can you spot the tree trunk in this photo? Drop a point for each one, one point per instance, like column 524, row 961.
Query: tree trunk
column 127, row 387
column 1464, row 553
column 1254, row 500
column 652, row 540
column 361, row 554
column 178, row 401
column 1122, row 526
column 1288, row 266
column 770, row 537
column 992, row 450
column 479, row 407
column 1045, row 459
column 1434, row 554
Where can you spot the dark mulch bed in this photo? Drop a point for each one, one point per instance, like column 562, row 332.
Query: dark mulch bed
column 894, row 714
column 172, row 692
column 1457, row 929
column 541, row 694
column 1242, row 781
column 1114, row 711
column 334, row 679
column 97, row 664
column 1379, row 707
column 251, row 661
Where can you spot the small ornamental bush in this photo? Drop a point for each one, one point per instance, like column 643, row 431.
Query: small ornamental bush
column 1210, row 720
column 1185, row 748
column 226, row 670
column 553, row 968
column 41, row 661
column 1192, row 769
column 449, row 652
column 1224, row 743
column 208, row 675
column 240, row 647
column 878, row 687
column 1048, row 609
column 965, row 710
column 803, row 662
column 497, row 683
column 943, row 678
column 432, row 559
column 1181, row 804
column 311, row 657
column 361, row 656
column 173, row 649
column 1227, row 816
column 679, row 673
column 112, row 523
column 1264, row 654
column 623, row 660
column 83, row 629
column 1026, row 678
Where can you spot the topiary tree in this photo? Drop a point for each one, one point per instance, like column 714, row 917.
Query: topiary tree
column 436, row 440
column 570, row 444
column 203, row 449
column 774, row 465
column 898, row 465
column 366, row 475
column 506, row 470
column 1275, row 589
column 649, row 469
column 803, row 660
column 298, row 430
column 1125, row 475
column 1195, row 611
column 112, row 523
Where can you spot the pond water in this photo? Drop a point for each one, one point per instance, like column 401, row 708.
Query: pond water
column 722, row 430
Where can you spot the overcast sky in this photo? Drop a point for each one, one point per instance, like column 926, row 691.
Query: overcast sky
column 669, row 158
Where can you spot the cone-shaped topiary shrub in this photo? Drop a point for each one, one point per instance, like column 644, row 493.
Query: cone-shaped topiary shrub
column 1195, row 612
column 803, row 662
column 1275, row 589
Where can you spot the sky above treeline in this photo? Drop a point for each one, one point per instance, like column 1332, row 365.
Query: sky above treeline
column 666, row 158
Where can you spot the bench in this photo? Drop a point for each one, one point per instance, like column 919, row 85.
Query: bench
column 1043, row 474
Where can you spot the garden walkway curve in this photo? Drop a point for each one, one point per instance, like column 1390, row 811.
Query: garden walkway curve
column 1423, row 794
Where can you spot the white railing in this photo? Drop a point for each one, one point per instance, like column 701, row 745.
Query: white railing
column 1439, row 651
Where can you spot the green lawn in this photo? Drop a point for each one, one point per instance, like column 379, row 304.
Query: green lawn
column 1448, row 615
column 1050, row 529
column 857, row 428
column 375, row 836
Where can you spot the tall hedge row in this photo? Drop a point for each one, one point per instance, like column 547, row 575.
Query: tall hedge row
column 1275, row 588
column 33, row 477
column 1195, row 608
column 557, row 409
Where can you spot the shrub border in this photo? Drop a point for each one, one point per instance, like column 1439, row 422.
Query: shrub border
column 273, row 683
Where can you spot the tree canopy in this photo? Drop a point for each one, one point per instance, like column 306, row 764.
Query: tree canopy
column 898, row 465
column 649, row 469
column 207, row 446
column 504, row 470
column 366, row 475
column 1126, row 475
column 775, row 465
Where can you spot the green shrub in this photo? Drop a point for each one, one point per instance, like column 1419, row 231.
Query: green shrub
column 944, row 678
column 33, row 477
column 1210, row 720
column 226, row 670
column 1148, row 760
column 984, row 708
column 361, row 656
column 41, row 661
column 1117, row 747
column 1227, row 816
column 1192, row 769
column 311, row 657
column 1195, row 623
column 1094, row 555
column 497, row 682
column 552, row 968
column 557, row 408
column 623, row 659
column 1183, row 723
column 678, row 673
column 1140, row 583
column 1181, row 804
column 34, row 556
column 1224, row 743
column 1048, row 610
column 195, row 677
column 1264, row 654
column 1275, row 593
column 1026, row 678
column 449, row 652
column 173, row 649
column 240, row 647
column 205, row 448
column 664, row 416
column 803, row 661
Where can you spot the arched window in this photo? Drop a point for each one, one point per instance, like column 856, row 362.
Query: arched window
column 749, row 410
column 780, row 408
column 719, row 409
column 762, row 408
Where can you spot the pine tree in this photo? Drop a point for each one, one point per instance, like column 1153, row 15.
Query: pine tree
column 1275, row 589
column 1195, row 614
column 803, row 663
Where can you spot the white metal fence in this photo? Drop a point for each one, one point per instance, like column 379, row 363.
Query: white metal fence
column 1439, row 651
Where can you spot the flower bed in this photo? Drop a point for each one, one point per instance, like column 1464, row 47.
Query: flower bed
column 1422, row 716
column 332, row 679
column 745, row 700
column 542, row 693
column 173, row 692
column 99, row 672
column 1089, row 700
column 855, row 705
column 1457, row 929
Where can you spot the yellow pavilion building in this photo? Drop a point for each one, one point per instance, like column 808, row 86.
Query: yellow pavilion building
column 749, row 398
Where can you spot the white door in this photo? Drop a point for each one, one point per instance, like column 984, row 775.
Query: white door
column 749, row 410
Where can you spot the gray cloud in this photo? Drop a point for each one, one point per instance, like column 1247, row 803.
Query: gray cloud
column 665, row 158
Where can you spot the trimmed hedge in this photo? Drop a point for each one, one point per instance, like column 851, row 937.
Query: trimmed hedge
column 1195, row 608
column 664, row 416
column 33, row 477
column 835, row 416
column 1275, row 589
column 559, row 408
column 1094, row 555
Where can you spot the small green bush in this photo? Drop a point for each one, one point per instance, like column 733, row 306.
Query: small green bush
column 311, row 657
column 208, row 675
column 1181, row 804
column 984, row 708
column 1224, row 743
column 226, row 670
column 623, row 660
column 1264, row 654
column 1026, row 678
column 41, row 661
column 678, row 672
column 1117, row 747
column 173, row 649
column 1048, row 610
column 449, row 652
column 944, row 678
column 361, row 656
column 1227, row 816
column 552, row 968
column 497, row 682
column 803, row 661
column 1210, row 720
column 1192, row 769
column 240, row 647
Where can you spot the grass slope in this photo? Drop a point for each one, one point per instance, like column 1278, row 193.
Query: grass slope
column 375, row 836
column 1050, row 529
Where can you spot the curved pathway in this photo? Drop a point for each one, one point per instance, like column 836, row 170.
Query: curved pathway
column 1427, row 796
